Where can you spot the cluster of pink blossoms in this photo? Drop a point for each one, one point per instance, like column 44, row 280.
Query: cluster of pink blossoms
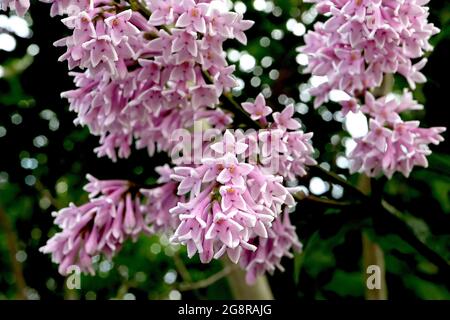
column 142, row 74
column 143, row 70
column 392, row 144
column 280, row 146
column 112, row 216
column 280, row 242
column 231, row 203
column 365, row 39
column 237, row 199
column 361, row 43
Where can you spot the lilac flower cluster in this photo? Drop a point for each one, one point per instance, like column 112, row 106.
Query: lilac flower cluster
column 100, row 226
column 365, row 39
column 230, row 202
column 143, row 70
column 281, row 145
column 143, row 73
column 279, row 243
column 361, row 43
column 392, row 144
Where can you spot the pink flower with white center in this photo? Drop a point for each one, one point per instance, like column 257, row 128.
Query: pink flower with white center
column 284, row 120
column 120, row 27
column 257, row 110
column 194, row 17
column 233, row 171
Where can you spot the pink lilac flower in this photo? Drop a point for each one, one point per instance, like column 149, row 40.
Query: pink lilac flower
column 282, row 148
column 284, row 119
column 120, row 27
column 362, row 40
column 141, row 79
column 159, row 201
column 230, row 201
column 194, row 16
column 98, row 227
column 257, row 110
column 392, row 145
column 279, row 243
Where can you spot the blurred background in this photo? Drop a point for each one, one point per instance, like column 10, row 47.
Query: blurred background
column 44, row 159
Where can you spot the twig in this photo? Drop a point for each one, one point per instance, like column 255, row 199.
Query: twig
column 136, row 5
column 336, row 178
column 208, row 281
column 328, row 202
column 181, row 268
